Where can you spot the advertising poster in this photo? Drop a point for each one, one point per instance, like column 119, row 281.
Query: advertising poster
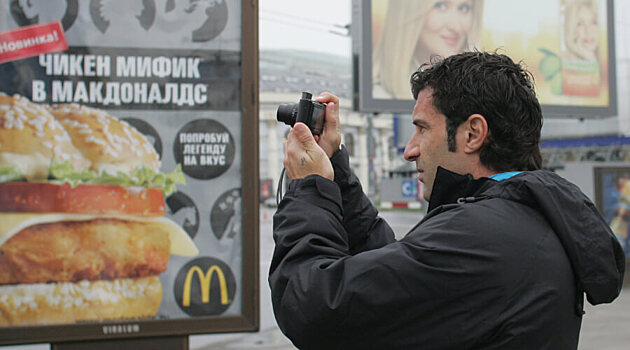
column 612, row 191
column 565, row 44
column 121, row 188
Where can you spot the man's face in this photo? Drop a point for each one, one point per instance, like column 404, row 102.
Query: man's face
column 428, row 146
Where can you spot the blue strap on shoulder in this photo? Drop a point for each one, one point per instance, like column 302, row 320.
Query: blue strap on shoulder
column 504, row 176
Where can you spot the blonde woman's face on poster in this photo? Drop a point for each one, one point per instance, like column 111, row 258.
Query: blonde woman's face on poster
column 446, row 27
column 586, row 36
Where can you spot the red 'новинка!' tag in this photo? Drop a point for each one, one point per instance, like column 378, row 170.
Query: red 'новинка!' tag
column 31, row 41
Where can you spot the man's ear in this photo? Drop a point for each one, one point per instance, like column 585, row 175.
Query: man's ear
column 475, row 133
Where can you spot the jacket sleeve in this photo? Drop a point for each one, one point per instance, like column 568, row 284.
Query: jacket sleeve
column 365, row 229
column 326, row 298
column 312, row 274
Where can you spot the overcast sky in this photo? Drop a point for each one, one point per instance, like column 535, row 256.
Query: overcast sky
column 305, row 25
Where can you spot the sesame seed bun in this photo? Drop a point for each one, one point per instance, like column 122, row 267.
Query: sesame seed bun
column 108, row 143
column 30, row 136
column 57, row 303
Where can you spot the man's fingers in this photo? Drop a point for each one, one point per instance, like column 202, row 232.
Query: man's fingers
column 330, row 139
column 332, row 109
column 326, row 97
column 332, row 116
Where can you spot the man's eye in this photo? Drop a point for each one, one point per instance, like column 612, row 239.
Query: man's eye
column 465, row 8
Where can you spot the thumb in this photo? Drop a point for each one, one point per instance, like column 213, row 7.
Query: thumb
column 304, row 135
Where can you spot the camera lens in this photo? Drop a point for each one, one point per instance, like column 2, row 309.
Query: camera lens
column 287, row 113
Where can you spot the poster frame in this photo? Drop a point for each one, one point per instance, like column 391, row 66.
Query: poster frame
column 249, row 319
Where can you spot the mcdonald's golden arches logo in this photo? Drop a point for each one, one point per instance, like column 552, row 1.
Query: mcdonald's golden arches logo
column 205, row 287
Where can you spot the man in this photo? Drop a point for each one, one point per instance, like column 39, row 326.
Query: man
column 502, row 259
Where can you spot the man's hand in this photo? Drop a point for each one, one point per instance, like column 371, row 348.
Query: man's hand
column 330, row 139
column 303, row 156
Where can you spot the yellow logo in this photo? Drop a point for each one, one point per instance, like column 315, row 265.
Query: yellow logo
column 204, row 281
column 204, row 286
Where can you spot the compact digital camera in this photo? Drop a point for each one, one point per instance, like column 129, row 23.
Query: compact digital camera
column 311, row 113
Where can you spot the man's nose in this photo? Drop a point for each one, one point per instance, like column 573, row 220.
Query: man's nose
column 411, row 151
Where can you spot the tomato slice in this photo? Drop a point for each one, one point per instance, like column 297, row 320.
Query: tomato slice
column 82, row 199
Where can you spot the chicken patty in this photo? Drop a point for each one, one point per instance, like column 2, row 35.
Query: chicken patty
column 71, row 251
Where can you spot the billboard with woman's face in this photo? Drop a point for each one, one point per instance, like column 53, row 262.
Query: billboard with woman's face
column 566, row 44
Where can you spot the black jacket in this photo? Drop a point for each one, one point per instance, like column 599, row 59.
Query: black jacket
column 493, row 265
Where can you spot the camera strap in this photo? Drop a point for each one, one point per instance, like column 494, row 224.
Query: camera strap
column 279, row 191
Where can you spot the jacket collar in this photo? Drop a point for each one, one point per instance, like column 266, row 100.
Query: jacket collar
column 448, row 187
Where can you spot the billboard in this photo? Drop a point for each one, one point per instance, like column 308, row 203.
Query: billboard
column 612, row 197
column 567, row 45
column 128, row 202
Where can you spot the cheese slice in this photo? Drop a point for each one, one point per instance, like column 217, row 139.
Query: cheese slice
column 12, row 223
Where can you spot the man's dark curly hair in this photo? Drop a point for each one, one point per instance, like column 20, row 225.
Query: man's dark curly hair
column 494, row 86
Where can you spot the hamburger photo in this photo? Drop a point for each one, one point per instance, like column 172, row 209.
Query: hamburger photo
column 83, row 235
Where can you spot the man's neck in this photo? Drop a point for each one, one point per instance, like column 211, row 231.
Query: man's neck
column 480, row 171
